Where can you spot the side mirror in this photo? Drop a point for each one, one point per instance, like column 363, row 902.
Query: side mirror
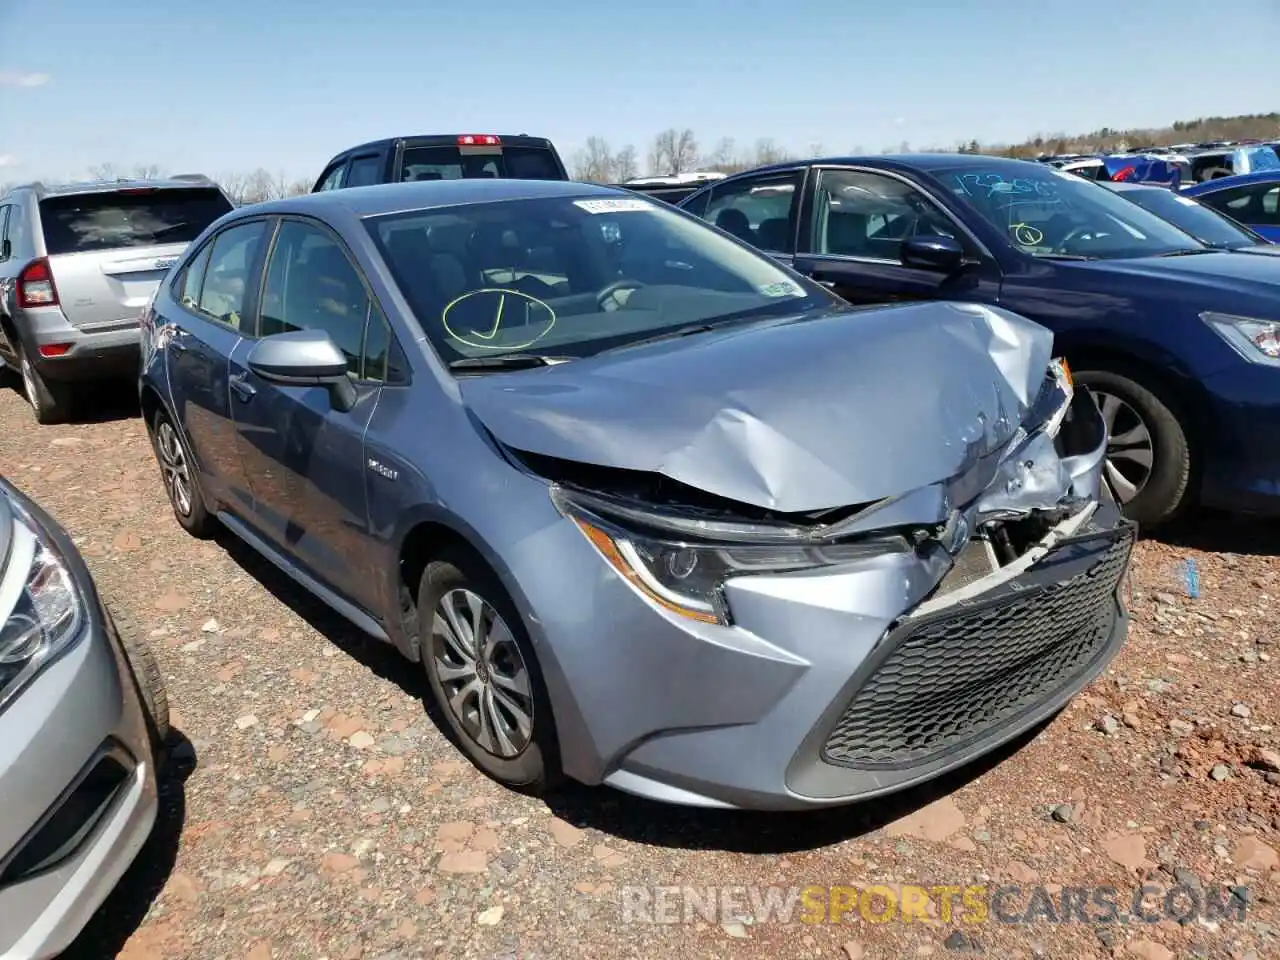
column 942, row 254
column 304, row 358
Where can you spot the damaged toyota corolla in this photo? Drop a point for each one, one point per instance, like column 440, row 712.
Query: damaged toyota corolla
column 651, row 509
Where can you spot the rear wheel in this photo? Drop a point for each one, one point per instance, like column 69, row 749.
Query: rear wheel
column 1149, row 458
column 178, row 472
column 484, row 676
column 50, row 401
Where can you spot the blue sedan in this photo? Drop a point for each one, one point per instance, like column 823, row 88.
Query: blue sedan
column 1179, row 341
column 1250, row 198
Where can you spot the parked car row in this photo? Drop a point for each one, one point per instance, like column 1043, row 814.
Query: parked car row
column 643, row 494
column 1177, row 338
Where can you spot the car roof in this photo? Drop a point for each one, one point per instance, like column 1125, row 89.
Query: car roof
column 181, row 182
column 387, row 198
column 1237, row 180
column 443, row 139
column 927, row 162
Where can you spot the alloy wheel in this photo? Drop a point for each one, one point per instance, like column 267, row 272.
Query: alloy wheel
column 173, row 464
column 1130, row 448
column 482, row 672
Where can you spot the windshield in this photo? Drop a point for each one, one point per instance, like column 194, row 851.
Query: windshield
column 1048, row 213
column 141, row 217
column 1201, row 222
column 571, row 277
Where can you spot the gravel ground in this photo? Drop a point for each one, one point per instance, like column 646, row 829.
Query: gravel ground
column 313, row 809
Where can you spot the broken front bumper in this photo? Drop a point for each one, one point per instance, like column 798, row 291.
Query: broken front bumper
column 935, row 691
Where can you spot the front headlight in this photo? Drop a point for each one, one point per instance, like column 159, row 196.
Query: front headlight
column 1258, row 341
column 686, row 573
column 45, row 610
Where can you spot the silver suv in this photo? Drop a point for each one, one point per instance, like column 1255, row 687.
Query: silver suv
column 78, row 263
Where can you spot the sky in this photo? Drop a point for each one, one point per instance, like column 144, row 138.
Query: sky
column 285, row 84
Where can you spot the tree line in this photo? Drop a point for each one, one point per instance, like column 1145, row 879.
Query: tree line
column 254, row 186
column 676, row 150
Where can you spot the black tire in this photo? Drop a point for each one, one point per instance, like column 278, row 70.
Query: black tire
column 50, row 401
column 193, row 516
column 1167, row 491
column 535, row 769
column 150, row 682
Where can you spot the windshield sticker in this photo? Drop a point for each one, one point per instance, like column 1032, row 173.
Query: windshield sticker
column 995, row 185
column 477, row 318
column 783, row 288
column 1026, row 235
column 614, row 205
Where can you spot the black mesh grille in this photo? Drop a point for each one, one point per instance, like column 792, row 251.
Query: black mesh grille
column 955, row 677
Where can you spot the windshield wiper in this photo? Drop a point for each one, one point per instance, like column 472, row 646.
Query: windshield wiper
column 171, row 228
column 1189, row 253
column 1062, row 256
column 678, row 332
column 510, row 361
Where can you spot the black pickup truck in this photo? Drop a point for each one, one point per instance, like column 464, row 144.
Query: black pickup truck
column 462, row 156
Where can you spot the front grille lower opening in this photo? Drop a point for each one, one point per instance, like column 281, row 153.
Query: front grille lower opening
column 953, row 678
column 72, row 820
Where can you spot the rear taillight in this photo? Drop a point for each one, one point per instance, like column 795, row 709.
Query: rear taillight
column 35, row 285
column 54, row 349
column 479, row 140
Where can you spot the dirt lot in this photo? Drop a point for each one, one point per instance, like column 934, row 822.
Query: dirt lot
column 314, row 810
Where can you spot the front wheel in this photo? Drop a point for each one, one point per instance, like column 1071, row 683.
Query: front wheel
column 484, row 676
column 1149, row 459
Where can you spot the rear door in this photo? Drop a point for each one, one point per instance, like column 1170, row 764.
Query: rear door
column 109, row 250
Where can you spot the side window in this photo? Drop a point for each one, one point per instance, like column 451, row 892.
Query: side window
column 697, row 204
column 364, row 171
column 312, row 285
column 381, row 356
column 193, row 278
column 333, row 177
column 760, row 210
column 858, row 214
column 224, row 291
column 1255, row 203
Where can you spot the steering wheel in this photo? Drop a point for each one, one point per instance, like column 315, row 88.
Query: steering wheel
column 607, row 294
column 1071, row 235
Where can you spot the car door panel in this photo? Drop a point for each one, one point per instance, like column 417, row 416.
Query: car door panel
column 305, row 461
column 851, row 233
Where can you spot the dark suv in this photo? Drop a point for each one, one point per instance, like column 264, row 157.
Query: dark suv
column 78, row 263
column 451, row 156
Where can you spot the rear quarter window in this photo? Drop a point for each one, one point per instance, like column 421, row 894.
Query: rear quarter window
column 450, row 163
column 84, row 223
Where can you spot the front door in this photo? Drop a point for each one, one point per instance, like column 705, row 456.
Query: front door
column 852, row 236
column 304, row 457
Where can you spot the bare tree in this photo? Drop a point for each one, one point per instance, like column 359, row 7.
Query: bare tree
column 674, row 151
column 768, row 151
column 148, row 171
column 625, row 165
column 594, row 162
column 259, row 186
column 724, row 156
column 104, row 171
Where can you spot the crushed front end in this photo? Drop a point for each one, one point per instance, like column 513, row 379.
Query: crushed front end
column 788, row 661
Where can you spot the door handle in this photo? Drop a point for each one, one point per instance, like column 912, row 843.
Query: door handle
column 244, row 390
column 176, row 341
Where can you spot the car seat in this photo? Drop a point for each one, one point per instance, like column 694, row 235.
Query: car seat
column 734, row 221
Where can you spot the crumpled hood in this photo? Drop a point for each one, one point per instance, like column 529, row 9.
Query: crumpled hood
column 804, row 414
